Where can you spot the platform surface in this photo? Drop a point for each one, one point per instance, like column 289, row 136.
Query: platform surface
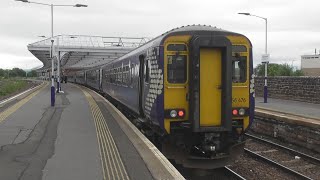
column 289, row 106
column 79, row 138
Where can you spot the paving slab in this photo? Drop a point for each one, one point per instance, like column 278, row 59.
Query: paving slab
column 75, row 139
column 76, row 153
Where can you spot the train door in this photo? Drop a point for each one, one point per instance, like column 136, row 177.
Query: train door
column 210, row 86
column 85, row 77
column 97, row 79
column 100, row 79
column 141, row 83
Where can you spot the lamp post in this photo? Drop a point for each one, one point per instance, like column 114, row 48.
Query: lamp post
column 265, row 57
column 51, row 48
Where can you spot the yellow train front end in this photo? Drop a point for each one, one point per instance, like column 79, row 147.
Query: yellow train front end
column 208, row 97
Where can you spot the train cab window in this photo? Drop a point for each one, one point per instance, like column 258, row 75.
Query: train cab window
column 177, row 47
column 177, row 69
column 239, row 48
column 239, row 69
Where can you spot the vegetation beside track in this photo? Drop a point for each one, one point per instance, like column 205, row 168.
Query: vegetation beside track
column 10, row 86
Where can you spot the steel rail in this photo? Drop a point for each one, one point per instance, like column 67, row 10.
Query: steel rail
column 301, row 154
column 253, row 154
column 233, row 174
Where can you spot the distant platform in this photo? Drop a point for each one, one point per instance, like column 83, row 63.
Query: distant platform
column 294, row 112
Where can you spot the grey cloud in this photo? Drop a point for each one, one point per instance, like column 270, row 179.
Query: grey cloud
column 292, row 29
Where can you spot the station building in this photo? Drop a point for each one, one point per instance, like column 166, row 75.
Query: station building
column 310, row 65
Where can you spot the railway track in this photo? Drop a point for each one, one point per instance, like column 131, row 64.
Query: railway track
column 293, row 151
column 301, row 165
column 231, row 174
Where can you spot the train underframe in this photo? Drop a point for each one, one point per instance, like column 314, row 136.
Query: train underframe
column 201, row 150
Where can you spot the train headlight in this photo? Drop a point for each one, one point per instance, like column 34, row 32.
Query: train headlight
column 173, row 113
column 242, row 111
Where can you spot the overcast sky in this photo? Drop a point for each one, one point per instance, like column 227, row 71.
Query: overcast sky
column 293, row 25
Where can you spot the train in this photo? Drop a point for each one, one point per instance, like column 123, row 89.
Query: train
column 190, row 89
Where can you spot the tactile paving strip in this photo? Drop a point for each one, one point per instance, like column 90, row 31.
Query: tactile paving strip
column 112, row 165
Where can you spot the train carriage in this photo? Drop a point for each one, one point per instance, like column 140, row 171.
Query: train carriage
column 193, row 88
column 80, row 77
column 93, row 78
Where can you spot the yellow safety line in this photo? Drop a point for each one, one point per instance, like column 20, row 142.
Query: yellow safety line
column 16, row 106
column 119, row 162
column 102, row 153
column 100, row 131
column 112, row 148
column 109, row 154
column 106, row 148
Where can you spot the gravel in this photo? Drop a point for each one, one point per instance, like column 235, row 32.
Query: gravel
column 286, row 158
column 295, row 147
column 252, row 168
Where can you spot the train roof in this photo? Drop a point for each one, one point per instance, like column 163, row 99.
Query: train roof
column 190, row 29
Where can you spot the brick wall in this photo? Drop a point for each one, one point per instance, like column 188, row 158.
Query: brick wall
column 303, row 136
column 306, row 89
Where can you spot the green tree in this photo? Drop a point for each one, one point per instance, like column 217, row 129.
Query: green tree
column 2, row 72
column 32, row 73
column 17, row 72
column 277, row 70
column 298, row 73
column 6, row 73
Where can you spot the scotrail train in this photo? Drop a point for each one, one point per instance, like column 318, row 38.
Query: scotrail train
column 191, row 88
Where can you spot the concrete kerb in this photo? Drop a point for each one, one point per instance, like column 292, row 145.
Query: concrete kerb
column 288, row 117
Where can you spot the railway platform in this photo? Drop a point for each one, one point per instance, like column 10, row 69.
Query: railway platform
column 294, row 112
column 290, row 122
column 82, row 137
column 289, row 106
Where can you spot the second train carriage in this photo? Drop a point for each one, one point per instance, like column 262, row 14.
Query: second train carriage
column 193, row 86
column 93, row 78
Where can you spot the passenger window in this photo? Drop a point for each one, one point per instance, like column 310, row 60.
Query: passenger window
column 239, row 69
column 177, row 68
column 147, row 72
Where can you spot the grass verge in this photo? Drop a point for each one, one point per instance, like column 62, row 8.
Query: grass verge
column 10, row 86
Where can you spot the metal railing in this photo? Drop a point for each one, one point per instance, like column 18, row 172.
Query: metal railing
column 92, row 41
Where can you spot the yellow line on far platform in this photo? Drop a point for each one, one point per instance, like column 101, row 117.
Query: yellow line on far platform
column 6, row 113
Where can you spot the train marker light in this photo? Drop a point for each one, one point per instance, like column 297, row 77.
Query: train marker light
column 235, row 112
column 180, row 113
column 242, row 111
column 173, row 113
column 212, row 148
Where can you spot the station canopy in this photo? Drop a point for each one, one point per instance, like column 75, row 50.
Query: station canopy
column 78, row 52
